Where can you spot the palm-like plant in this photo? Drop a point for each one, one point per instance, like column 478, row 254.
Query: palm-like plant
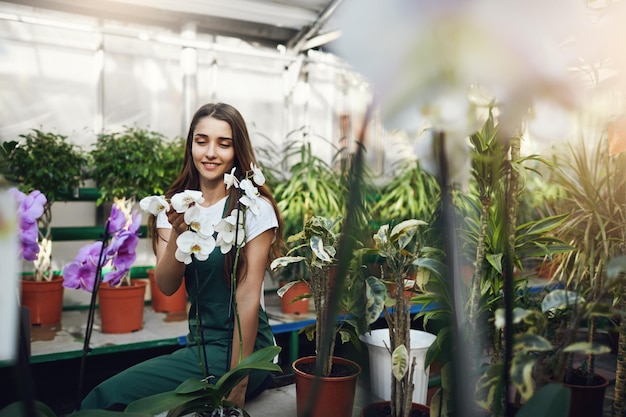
column 595, row 195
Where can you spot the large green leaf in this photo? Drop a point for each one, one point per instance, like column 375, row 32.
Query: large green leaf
column 160, row 403
column 552, row 400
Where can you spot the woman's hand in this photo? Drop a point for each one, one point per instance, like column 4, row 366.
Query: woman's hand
column 177, row 220
column 238, row 394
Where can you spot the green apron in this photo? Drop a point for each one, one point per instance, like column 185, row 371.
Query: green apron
column 164, row 373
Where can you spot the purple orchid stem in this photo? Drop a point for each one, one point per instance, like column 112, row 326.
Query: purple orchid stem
column 92, row 310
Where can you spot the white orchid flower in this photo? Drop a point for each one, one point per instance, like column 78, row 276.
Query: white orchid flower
column 182, row 201
column 226, row 230
column 190, row 243
column 230, row 180
column 154, row 204
column 257, row 174
column 251, row 197
column 198, row 221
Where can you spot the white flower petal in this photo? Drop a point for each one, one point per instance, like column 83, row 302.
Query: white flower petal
column 257, row 175
column 230, row 180
column 182, row 257
column 154, row 204
column 182, row 201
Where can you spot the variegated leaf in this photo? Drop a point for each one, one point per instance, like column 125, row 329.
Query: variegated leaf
column 317, row 246
column 528, row 342
column 375, row 294
column 522, row 375
column 587, row 348
column 487, row 385
column 399, row 362
column 559, row 299
column 284, row 261
column 519, row 314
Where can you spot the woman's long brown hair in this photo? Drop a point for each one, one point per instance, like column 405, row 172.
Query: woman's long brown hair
column 189, row 178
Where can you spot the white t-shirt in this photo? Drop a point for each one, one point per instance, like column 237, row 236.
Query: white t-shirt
column 255, row 223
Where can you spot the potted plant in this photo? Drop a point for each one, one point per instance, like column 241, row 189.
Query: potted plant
column 132, row 164
column 57, row 178
column 305, row 185
column 335, row 393
column 402, row 253
column 548, row 335
column 121, row 302
column 203, row 397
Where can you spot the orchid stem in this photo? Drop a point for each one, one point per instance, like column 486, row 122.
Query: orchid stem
column 90, row 316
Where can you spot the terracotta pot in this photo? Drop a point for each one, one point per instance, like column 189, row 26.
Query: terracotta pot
column 334, row 396
column 546, row 269
column 121, row 308
column 175, row 303
column 296, row 307
column 588, row 401
column 382, row 409
column 44, row 299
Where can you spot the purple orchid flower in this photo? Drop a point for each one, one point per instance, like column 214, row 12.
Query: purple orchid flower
column 120, row 254
column 30, row 208
column 123, row 255
column 117, row 220
column 81, row 272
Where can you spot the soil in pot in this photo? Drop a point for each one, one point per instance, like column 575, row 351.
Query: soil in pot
column 339, row 369
column 383, row 409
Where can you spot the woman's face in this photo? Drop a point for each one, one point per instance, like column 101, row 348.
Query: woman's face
column 212, row 149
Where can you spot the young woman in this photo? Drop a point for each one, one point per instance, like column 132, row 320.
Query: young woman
column 217, row 141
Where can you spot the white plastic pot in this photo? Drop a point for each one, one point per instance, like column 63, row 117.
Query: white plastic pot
column 377, row 342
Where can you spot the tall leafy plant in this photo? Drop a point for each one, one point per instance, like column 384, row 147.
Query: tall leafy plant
column 411, row 193
column 47, row 162
column 595, row 187
column 316, row 249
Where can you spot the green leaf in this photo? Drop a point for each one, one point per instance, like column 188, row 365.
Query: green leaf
column 487, row 385
column 399, row 362
column 375, row 294
column 519, row 314
column 593, row 348
column 528, row 342
column 560, row 299
column 284, row 261
column 317, row 246
column 522, row 375
column 159, row 403
column 552, row 400
column 192, row 385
